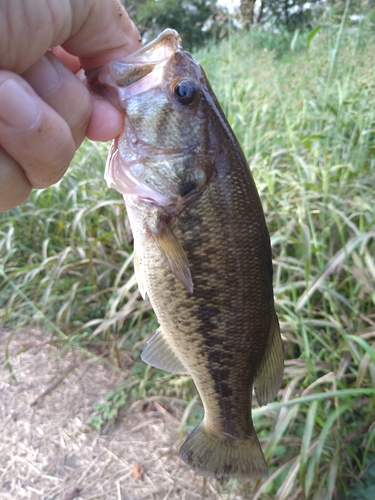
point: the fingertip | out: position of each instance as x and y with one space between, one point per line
14 185
106 121
113 35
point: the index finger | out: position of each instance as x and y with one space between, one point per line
110 34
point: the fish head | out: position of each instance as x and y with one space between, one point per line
164 154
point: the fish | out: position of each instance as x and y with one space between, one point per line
202 250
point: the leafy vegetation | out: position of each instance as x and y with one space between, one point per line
298 14
306 121
197 21
201 21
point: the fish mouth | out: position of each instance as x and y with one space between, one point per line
141 63
144 67
162 47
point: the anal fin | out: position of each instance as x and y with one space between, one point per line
270 374
159 353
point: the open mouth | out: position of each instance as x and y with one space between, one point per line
164 46
144 67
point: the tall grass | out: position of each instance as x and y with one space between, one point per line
306 121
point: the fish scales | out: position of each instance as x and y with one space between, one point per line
216 312
203 253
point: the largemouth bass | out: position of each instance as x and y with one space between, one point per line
202 249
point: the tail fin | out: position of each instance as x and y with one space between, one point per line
223 458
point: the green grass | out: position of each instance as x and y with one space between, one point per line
306 121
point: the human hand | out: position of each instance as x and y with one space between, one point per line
45 108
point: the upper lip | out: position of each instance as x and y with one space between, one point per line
142 62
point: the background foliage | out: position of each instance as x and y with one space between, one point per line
197 21
201 21
302 105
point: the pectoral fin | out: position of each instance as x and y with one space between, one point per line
175 256
139 274
159 353
270 375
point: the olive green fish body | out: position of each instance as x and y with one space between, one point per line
203 256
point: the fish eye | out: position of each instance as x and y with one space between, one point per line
186 91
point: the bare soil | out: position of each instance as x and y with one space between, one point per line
47 450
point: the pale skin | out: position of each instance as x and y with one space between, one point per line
46 109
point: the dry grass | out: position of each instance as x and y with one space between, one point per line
48 452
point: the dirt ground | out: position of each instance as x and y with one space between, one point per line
47 451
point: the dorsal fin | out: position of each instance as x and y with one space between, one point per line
270 374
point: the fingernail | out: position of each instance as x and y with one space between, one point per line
18 108
43 75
